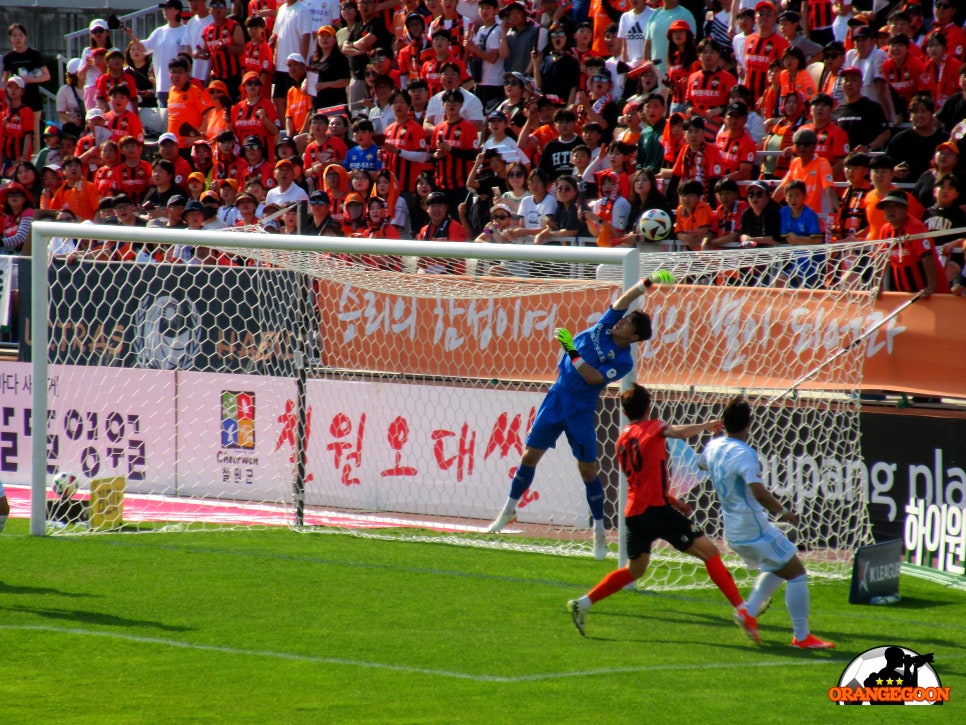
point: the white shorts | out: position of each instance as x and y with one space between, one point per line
769 552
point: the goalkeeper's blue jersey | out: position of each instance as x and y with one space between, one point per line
597 348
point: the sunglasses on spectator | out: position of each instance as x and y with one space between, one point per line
499 217
565 188
511 83
251 146
558 34
253 83
755 194
98 31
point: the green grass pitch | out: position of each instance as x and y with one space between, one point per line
273 626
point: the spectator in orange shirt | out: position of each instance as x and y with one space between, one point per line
883 172
942 69
257 56
121 121
298 103
188 105
904 74
794 76
694 216
254 115
833 142
75 193
815 172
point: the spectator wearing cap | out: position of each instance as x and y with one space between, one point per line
320 222
815 172
441 227
682 61
89 70
163 45
790 27
912 148
656 39
298 102
761 222
914 264
50 148
940 75
519 37
257 55
255 164
18 123
945 24
869 59
945 161
173 212
70 105
331 69
471 109
517 94
497 138
762 47
852 219
738 149
706 94
833 142
861 118
286 190
16 217
406 147
829 80
255 116
222 45
168 150
189 107
883 173
903 72
291 34
75 193
366 35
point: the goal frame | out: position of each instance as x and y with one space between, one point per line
627 259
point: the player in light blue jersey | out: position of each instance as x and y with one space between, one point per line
745 503
593 359
4 507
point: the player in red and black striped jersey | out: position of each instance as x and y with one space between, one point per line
406 145
116 76
707 89
120 121
652 511
323 149
452 22
914 264
904 73
224 41
738 149
833 141
255 116
456 145
133 175
761 49
442 54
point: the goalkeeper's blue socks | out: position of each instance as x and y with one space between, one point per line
521 481
595 498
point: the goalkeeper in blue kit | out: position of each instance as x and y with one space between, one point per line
591 360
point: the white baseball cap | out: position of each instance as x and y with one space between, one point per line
17 80
94 113
167 137
296 57
95 24
73 65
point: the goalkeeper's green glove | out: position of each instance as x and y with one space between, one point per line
566 341
661 276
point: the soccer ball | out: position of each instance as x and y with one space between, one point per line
64 484
655 225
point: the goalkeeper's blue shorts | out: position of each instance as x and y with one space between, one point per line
560 413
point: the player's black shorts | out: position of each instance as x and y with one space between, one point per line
659 522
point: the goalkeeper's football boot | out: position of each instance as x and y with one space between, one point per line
502 521
579 615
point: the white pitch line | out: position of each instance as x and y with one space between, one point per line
419 670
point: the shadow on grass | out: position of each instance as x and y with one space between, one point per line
15 589
97 618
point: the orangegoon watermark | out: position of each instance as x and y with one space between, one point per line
890 675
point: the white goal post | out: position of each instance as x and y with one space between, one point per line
324 370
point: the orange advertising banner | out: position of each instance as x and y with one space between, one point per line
724 336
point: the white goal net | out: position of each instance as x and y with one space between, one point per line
312 385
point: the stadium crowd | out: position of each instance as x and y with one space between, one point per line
752 123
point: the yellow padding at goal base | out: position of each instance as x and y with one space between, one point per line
106 509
